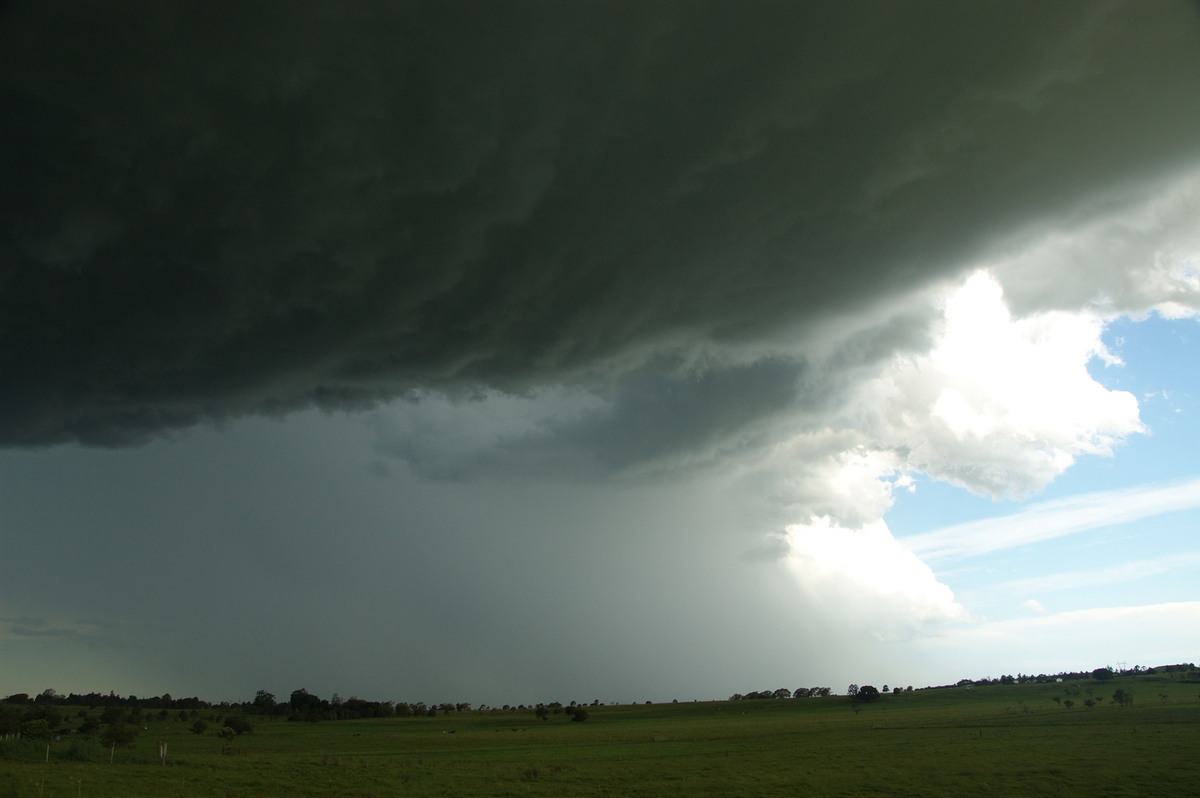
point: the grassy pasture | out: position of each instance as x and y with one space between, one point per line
981 741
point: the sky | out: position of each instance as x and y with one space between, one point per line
529 351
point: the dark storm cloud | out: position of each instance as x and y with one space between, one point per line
672 414
655 418
218 209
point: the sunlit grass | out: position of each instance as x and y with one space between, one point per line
983 741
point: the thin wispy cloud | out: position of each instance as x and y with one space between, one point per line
1054 519
1111 575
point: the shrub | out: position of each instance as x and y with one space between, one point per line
119 736
239 724
36 729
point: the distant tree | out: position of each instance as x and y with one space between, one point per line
199 727
580 715
1123 697
867 693
1089 702
782 692
308 707
1102 674
1056 700
264 702
303 701
1068 703
852 690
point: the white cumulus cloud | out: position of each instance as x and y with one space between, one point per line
869 580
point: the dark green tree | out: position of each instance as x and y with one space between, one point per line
304 701
264 702
867 693
10 720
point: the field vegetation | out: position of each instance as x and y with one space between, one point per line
1127 735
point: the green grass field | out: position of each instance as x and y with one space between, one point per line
997 740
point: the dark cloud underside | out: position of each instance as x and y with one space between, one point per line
218 209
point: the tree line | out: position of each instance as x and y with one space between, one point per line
783 692
1186 669
44 709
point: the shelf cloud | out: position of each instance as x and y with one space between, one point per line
213 212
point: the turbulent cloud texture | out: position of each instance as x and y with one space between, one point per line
212 211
